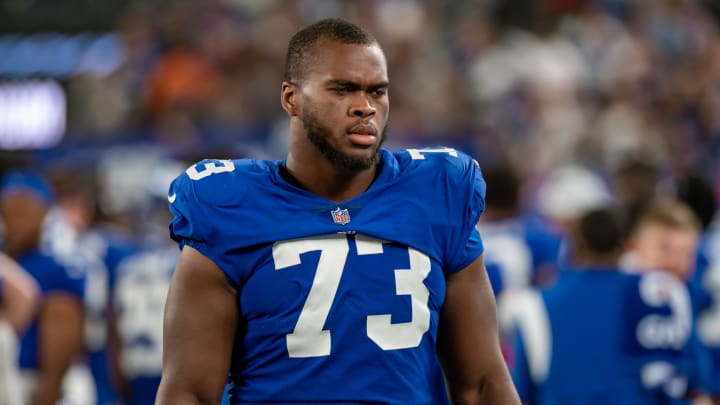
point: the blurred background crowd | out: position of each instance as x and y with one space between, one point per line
568 105
536 84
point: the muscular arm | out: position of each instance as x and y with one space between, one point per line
468 342
200 320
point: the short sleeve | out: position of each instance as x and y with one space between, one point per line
182 205
468 199
64 278
193 223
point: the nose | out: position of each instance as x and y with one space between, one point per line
361 106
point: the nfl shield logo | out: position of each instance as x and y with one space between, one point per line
340 216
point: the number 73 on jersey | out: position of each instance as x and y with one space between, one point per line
309 339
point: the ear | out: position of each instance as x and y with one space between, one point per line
289 98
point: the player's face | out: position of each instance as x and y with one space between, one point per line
23 215
660 247
345 103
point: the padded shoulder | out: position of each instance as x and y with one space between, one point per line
451 183
197 194
449 160
218 181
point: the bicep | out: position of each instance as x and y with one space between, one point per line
201 317
468 341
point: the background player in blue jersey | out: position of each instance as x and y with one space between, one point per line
55 337
665 238
138 288
341 274
600 336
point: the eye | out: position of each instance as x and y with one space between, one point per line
341 90
379 92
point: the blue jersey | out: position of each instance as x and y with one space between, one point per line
52 278
139 286
103 252
339 302
705 288
604 337
97 251
519 248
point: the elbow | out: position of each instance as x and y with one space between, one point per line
468 393
176 394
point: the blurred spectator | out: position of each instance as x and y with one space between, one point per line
585 339
569 191
636 184
523 249
139 286
55 336
666 238
74 235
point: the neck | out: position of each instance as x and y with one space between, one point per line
587 259
319 176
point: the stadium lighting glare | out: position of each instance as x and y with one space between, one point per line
32 114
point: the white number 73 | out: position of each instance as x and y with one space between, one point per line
308 339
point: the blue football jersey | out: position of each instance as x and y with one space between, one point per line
705 289
340 302
97 251
599 336
520 248
139 286
51 278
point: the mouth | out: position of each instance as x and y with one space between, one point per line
362 134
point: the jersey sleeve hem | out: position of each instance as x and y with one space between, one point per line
207 252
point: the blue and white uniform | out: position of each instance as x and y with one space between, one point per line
519 248
139 286
705 288
599 336
339 302
52 278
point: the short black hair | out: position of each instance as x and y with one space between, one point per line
303 42
600 231
503 187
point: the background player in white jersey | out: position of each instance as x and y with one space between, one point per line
337 275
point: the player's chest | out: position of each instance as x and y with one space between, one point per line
352 276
